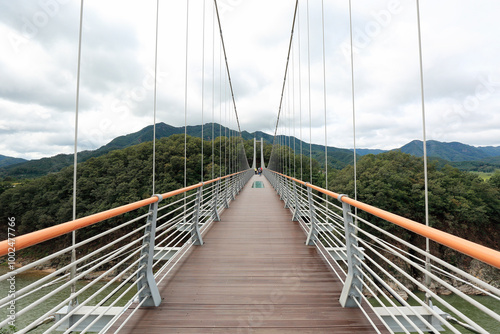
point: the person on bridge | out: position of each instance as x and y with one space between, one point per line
260 171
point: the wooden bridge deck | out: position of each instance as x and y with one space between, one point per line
253 275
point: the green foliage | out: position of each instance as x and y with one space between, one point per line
495 179
117 178
449 151
44 166
8 329
459 202
7 161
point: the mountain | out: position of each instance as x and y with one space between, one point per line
364 151
7 161
453 151
40 167
337 157
493 151
477 158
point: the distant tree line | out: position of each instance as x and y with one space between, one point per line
460 202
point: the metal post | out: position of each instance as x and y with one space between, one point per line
238 183
262 164
195 229
313 231
231 186
296 212
287 194
145 277
216 201
226 203
354 278
280 187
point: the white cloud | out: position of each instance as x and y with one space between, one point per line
39 52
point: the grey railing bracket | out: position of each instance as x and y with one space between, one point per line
313 230
350 296
195 229
145 277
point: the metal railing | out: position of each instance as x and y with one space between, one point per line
117 269
381 271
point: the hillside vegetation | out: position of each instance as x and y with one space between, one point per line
460 202
337 157
117 178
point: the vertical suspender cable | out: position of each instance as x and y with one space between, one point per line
285 76
213 87
324 92
185 100
289 128
309 88
154 99
227 70
202 88
293 113
300 101
426 191
353 111
220 111
225 126
75 159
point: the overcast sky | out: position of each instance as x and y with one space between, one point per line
38 67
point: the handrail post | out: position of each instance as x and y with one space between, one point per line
239 183
231 185
287 193
145 277
350 296
216 200
296 211
282 187
226 203
195 229
313 231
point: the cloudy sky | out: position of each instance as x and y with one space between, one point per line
38 67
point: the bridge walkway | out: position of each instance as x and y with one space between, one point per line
253 275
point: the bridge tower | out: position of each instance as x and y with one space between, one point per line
262 164
254 164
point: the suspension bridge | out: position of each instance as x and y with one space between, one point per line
244 252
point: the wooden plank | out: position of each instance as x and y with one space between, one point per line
253 274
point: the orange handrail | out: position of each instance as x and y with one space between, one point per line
33 238
479 252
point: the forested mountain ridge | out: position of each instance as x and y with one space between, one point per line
337 157
462 156
44 166
7 161
453 151
117 178
460 203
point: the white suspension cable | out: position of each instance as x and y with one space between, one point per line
202 89
300 100
220 111
186 94
154 94
309 94
213 87
353 111
324 92
426 183
75 159
293 112
227 67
